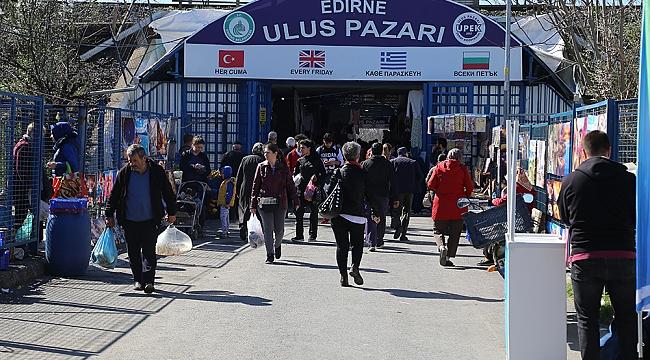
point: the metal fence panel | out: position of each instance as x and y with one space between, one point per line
21 171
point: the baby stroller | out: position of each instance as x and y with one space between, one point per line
189 203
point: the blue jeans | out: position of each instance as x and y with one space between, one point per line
224 216
589 278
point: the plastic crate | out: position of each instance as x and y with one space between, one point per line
490 226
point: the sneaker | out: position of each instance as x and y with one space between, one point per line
485 262
344 281
148 288
443 255
278 252
137 286
404 239
269 259
298 239
372 249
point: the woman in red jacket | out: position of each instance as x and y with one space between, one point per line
450 181
272 186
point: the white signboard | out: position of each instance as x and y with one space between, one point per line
305 62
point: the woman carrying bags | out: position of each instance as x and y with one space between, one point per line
272 185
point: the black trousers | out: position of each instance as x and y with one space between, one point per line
313 218
244 216
589 277
141 246
402 215
347 234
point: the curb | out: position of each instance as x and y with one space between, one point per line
22 273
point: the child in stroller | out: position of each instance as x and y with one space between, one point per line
189 202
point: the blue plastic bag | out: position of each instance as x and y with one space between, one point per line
105 251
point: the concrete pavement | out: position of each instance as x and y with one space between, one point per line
220 301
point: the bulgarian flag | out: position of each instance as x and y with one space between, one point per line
643 170
476 60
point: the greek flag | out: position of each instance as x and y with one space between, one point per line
643 170
393 60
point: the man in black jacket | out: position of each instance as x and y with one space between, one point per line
598 202
137 199
308 166
244 186
408 177
381 176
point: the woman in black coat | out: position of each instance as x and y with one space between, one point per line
308 166
349 226
244 186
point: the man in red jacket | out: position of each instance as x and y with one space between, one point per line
450 181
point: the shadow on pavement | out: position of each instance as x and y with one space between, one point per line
209 295
441 295
400 250
322 266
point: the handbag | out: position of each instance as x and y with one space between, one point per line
70 185
331 206
268 203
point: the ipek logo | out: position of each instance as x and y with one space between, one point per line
469 28
239 27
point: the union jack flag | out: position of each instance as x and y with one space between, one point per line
312 59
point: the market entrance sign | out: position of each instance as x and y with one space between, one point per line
385 40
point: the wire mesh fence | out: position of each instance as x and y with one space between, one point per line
21 124
628 118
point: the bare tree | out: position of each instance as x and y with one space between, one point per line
40 44
602 38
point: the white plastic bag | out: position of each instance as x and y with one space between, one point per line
255 233
173 242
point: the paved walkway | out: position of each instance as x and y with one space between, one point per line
220 301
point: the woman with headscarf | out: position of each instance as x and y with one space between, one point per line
451 181
66 152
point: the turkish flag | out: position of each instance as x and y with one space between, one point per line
231 58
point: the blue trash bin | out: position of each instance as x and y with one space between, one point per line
67 247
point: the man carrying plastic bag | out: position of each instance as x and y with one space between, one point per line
105 251
137 200
173 242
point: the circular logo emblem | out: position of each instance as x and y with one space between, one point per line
239 27
469 28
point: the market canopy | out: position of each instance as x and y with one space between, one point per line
424 40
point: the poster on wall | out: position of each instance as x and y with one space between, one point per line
481 123
450 124
128 132
459 123
553 190
581 127
496 136
470 123
142 133
541 163
532 160
439 125
559 149
524 142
